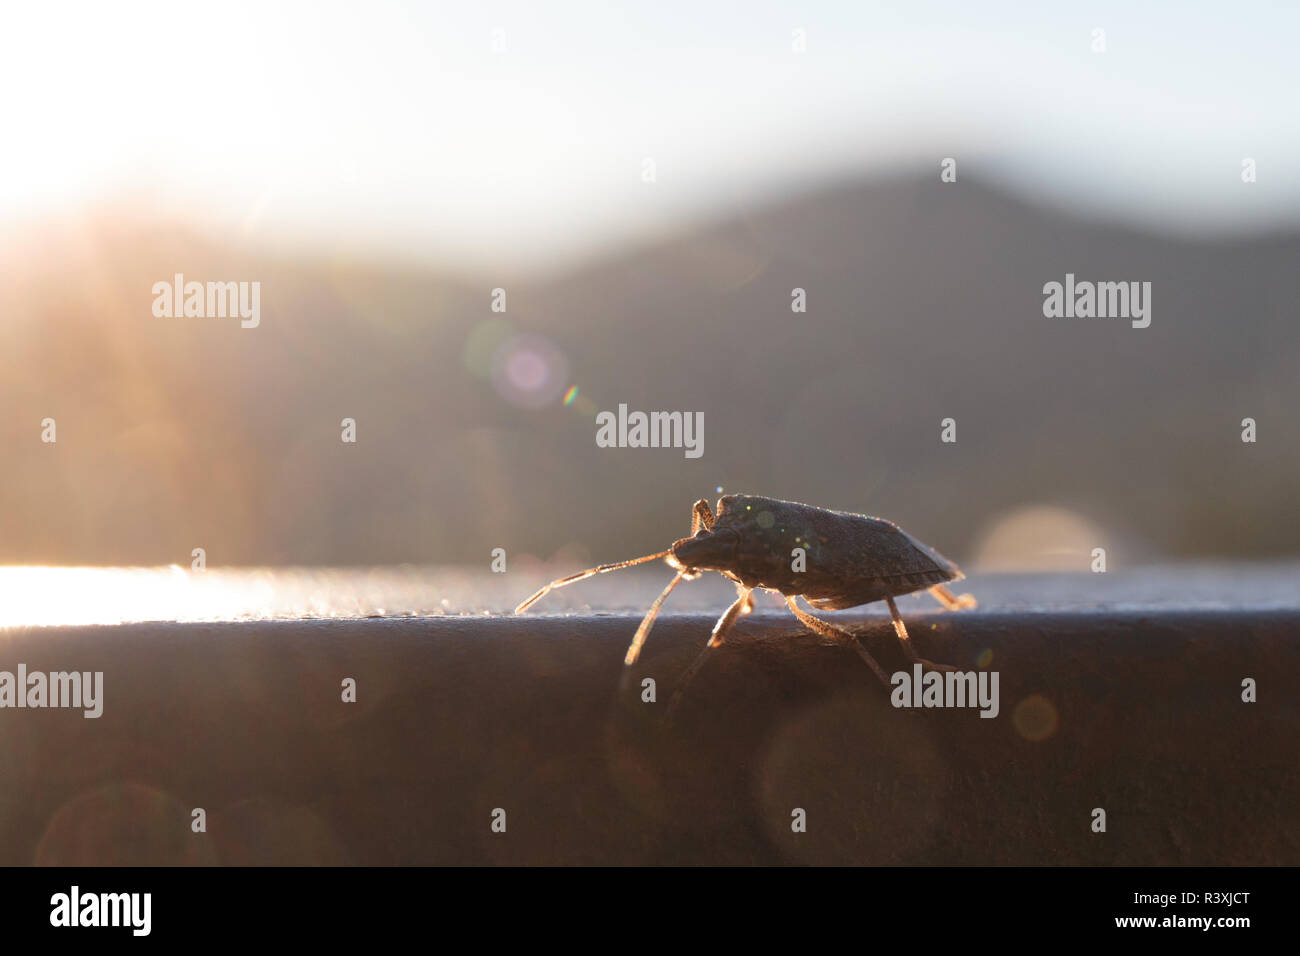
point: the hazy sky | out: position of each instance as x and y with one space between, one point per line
398 127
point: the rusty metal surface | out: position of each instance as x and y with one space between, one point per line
1135 711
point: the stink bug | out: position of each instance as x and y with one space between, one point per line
848 560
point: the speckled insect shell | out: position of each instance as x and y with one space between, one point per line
851 559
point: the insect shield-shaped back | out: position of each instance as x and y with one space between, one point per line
849 559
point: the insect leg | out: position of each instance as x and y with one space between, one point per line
953 602
701 517
542 592
647 622
729 616
826 629
720 630
903 638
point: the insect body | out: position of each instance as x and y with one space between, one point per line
848 560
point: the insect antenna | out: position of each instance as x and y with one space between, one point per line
647 622
542 592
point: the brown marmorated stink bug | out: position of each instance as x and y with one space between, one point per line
849 559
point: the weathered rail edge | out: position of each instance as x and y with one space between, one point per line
1138 714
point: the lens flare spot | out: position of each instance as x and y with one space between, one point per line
1038 538
984 658
528 371
1035 718
570 395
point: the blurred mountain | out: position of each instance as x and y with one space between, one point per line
924 302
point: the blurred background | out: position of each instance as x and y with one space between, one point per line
648 182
